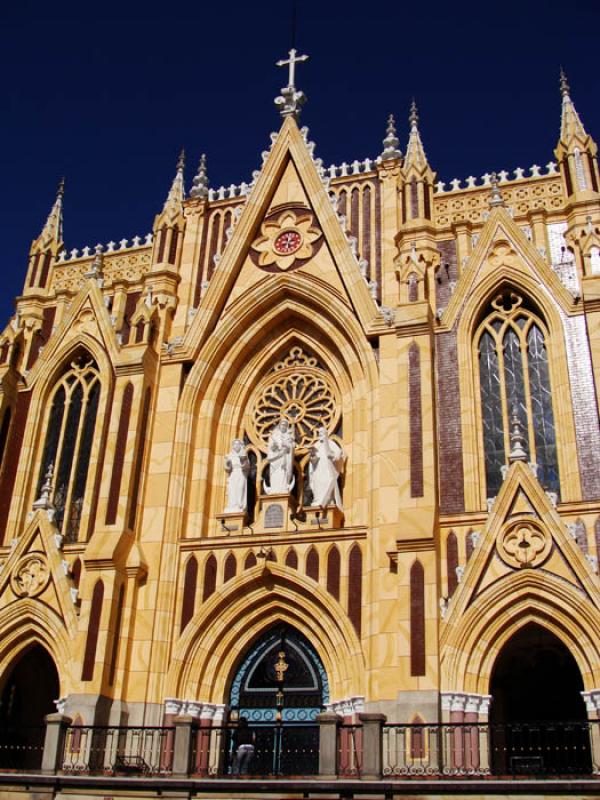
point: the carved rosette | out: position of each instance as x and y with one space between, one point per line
287 240
524 544
298 390
30 575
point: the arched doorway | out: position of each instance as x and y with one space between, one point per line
279 687
30 688
538 717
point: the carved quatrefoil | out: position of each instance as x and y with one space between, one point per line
524 544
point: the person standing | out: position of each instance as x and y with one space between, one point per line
243 747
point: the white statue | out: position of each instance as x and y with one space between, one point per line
325 464
237 468
280 456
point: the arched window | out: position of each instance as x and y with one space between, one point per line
89 659
514 378
210 577
452 562
230 568
190 581
312 564
71 424
355 587
417 619
333 572
291 559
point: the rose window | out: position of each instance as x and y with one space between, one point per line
300 392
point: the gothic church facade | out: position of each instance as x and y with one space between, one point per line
445 337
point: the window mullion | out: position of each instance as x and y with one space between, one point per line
527 390
61 439
503 396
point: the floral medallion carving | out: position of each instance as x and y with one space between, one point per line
287 240
524 544
30 576
299 390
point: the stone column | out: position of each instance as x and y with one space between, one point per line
328 744
182 747
372 738
56 726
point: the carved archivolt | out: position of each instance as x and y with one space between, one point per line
30 575
298 390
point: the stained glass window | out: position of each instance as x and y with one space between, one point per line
71 425
514 378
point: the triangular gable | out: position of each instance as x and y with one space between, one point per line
288 182
88 316
35 570
523 532
502 249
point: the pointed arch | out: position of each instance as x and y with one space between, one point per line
333 572
240 611
209 584
529 596
250 561
291 559
230 568
554 308
190 582
312 564
354 604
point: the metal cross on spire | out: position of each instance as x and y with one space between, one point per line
291 101
292 61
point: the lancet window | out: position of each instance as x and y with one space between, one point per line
515 379
70 426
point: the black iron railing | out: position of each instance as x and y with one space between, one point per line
290 749
111 749
529 748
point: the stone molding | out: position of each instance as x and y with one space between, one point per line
467 703
347 707
197 709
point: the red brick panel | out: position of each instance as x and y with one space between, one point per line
210 578
417 619
11 461
89 659
333 572
355 587
452 562
415 421
452 496
117 470
312 564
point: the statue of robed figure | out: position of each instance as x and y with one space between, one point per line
325 464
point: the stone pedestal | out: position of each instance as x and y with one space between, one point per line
372 727
328 744
274 512
232 523
182 748
56 726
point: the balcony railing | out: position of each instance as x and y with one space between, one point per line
369 750
108 750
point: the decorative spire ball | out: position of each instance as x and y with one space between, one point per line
391 141
496 198
200 182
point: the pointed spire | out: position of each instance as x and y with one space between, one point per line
571 125
496 198
518 442
176 194
52 230
415 152
391 141
200 183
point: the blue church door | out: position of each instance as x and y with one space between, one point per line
280 687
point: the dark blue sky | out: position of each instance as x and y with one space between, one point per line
107 94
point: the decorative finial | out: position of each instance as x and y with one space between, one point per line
414 116
496 198
60 192
96 272
52 230
290 101
518 442
200 182
564 84
43 502
181 161
391 141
